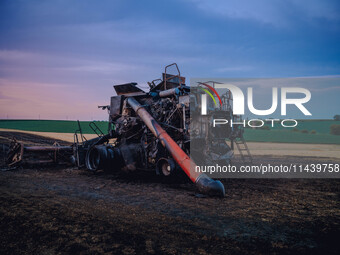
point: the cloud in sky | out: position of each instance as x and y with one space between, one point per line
79 49
29 100
272 12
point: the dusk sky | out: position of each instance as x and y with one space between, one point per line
59 59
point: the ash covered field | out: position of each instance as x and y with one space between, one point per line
63 210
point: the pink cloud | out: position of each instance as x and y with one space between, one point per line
30 100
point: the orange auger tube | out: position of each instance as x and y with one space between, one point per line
204 184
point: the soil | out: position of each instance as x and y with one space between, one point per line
69 137
64 210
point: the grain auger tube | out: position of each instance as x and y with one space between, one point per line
204 184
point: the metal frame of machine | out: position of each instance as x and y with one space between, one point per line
147 130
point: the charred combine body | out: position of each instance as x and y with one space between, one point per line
147 131
151 132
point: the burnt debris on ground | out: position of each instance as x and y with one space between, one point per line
62 210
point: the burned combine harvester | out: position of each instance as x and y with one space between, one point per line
147 130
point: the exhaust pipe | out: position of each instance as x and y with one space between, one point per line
205 184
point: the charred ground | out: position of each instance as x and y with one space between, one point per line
54 210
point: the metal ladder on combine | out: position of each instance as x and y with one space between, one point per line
77 143
240 142
244 150
96 129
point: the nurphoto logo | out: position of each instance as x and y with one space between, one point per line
238 104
